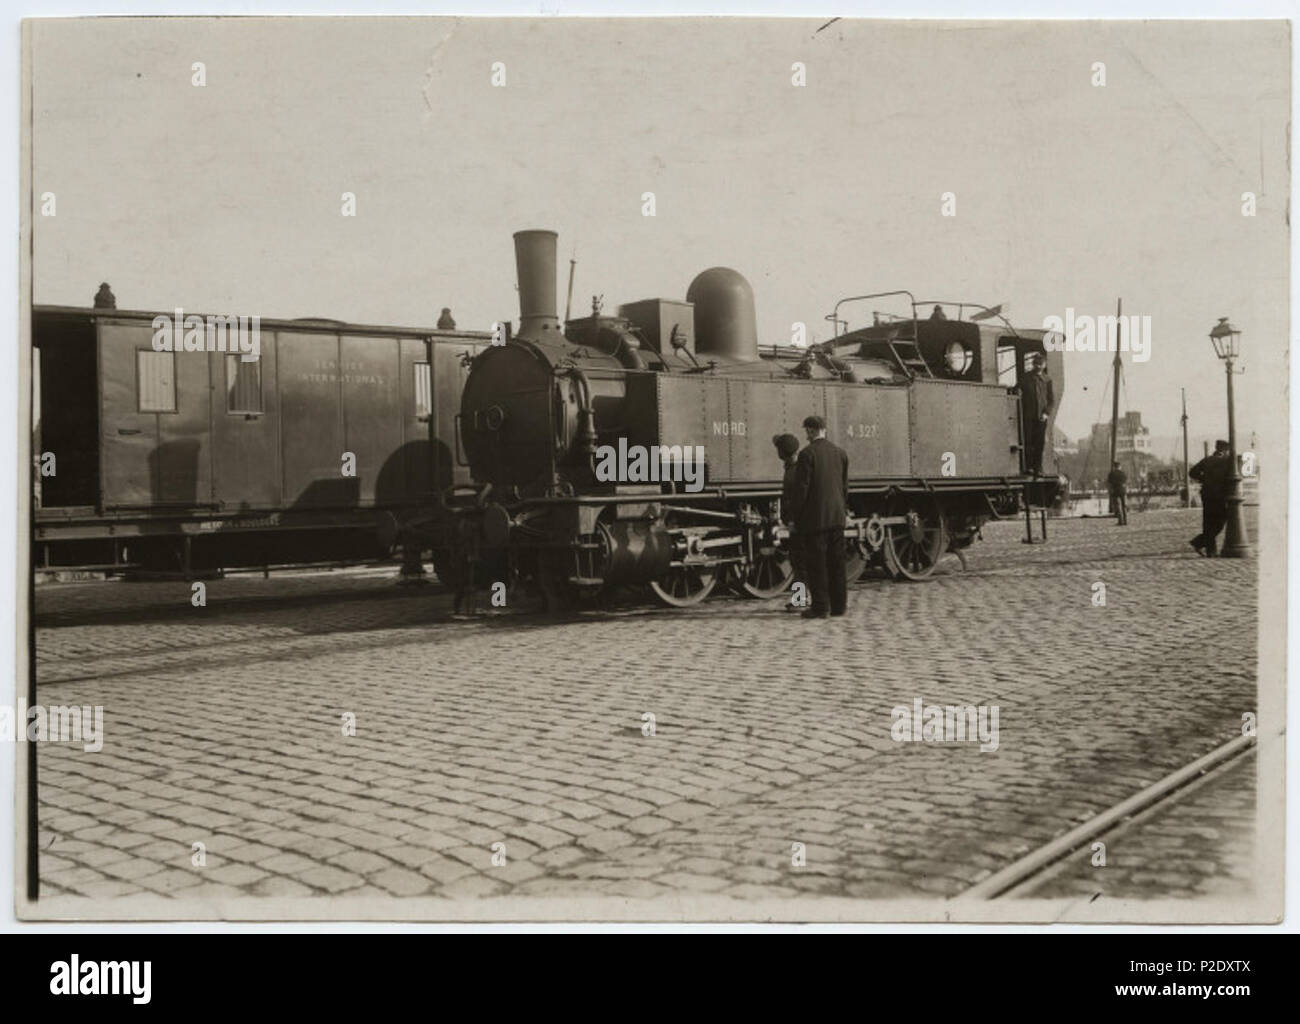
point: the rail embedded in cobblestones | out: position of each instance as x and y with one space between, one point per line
1016 874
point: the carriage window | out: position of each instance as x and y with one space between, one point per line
155 379
423 405
243 385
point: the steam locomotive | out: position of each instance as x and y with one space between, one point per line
926 409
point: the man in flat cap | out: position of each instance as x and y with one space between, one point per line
787 450
1037 402
1212 474
819 507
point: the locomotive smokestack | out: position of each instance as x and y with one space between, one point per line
535 262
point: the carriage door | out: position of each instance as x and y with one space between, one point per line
245 429
153 421
139 385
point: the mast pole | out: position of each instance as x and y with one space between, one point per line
1116 367
1187 483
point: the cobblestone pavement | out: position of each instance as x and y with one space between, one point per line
1200 842
223 725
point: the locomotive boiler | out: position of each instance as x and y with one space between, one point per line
925 408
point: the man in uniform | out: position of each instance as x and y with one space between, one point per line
787 449
818 508
1037 401
1212 474
1117 482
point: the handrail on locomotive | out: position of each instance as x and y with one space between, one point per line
834 315
916 304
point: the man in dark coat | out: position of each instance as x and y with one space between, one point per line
1212 474
819 507
1117 483
787 448
1037 402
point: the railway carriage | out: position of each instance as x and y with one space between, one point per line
189 460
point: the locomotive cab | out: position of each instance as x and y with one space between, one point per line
950 349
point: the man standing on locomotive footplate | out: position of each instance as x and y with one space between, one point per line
1037 402
820 507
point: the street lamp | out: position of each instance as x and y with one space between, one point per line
1227 339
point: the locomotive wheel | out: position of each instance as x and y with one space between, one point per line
913 549
771 572
768 576
681 588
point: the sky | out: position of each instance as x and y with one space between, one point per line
1068 194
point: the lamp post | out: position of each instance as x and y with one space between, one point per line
1226 339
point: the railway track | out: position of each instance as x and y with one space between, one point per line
1022 876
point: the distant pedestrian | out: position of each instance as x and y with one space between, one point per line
1117 482
104 298
445 322
819 508
787 449
1212 474
1037 402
